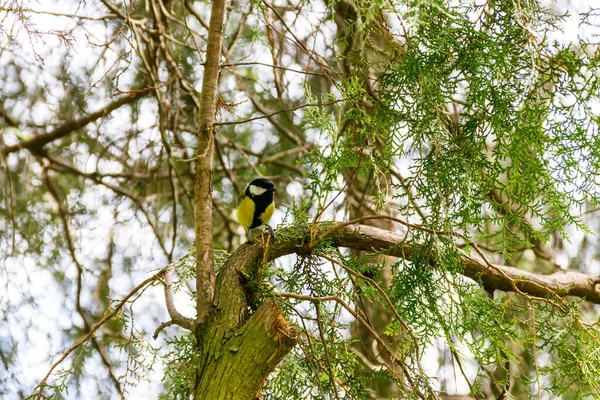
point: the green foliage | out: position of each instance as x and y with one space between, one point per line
573 345
468 119
186 268
524 120
141 357
309 364
181 364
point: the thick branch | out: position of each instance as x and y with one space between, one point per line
176 316
232 299
36 143
492 276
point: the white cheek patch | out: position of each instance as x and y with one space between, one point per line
256 190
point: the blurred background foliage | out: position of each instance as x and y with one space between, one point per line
473 117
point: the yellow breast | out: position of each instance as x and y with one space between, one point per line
266 216
245 212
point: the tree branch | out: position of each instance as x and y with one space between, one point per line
138 200
205 269
371 239
36 143
231 302
492 276
176 317
107 316
64 213
363 322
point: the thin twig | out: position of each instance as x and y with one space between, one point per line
92 332
380 341
385 297
64 217
325 349
279 112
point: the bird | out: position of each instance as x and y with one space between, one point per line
255 206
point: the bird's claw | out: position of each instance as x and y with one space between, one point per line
271 231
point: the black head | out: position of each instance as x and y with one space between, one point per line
263 183
260 187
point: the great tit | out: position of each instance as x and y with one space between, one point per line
256 205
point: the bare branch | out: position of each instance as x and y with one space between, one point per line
275 159
278 125
284 110
36 143
176 317
190 6
276 66
137 199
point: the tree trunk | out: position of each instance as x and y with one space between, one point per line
236 363
205 269
239 350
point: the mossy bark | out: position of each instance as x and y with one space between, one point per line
238 348
237 363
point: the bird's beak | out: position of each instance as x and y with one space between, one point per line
273 190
